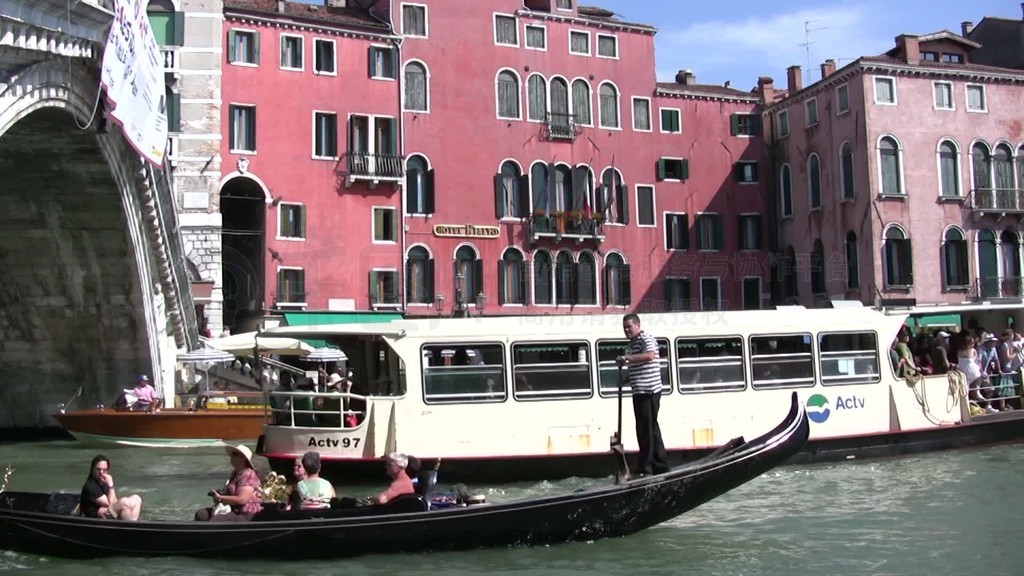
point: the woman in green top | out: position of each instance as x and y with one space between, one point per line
906 365
311 491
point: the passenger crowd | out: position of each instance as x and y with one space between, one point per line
991 365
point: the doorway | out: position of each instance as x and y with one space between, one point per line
243 209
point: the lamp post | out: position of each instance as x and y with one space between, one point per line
481 301
460 310
439 304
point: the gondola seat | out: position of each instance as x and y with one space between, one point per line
344 508
48 503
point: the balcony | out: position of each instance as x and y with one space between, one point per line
374 168
999 201
559 126
998 287
561 226
170 57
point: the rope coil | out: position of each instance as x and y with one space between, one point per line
957 389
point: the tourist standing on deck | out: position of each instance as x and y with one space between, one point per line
645 383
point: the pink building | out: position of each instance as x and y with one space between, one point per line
460 155
900 176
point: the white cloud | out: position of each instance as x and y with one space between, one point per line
742 50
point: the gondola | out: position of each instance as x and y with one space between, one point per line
33 523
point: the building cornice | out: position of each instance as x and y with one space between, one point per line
588 22
709 96
336 29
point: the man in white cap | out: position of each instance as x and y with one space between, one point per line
145 395
940 353
400 482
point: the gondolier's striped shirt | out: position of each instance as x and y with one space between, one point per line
644 378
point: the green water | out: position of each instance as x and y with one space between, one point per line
943 513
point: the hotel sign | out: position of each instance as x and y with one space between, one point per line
466 231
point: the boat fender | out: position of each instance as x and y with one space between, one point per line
476 499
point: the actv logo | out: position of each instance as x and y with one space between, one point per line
818 406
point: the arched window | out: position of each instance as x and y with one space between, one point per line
981 165
419 276
814 180
1009 245
539 185
1020 167
565 279
846 165
419 186
818 268
1002 162
559 102
609 98
469 274
586 283
511 196
616 281
955 273
897 258
613 201
890 166
852 261
508 95
563 188
511 278
988 263
581 102
949 170
537 98
786 197
788 272
416 97
542 277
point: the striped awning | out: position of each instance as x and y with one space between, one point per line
206 355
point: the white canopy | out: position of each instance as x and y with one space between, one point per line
245 345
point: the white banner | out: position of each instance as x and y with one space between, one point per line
133 76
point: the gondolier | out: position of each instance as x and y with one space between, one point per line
645 384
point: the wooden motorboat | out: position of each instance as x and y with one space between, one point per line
212 418
33 523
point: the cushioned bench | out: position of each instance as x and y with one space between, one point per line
345 508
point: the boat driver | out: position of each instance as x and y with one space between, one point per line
145 395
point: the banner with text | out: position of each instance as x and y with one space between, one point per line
133 76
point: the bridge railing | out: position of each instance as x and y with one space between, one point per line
167 213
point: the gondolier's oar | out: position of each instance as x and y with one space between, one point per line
621 466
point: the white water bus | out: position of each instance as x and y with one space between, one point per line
535 396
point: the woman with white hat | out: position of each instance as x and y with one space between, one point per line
241 496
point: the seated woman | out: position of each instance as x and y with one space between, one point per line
99 500
242 494
311 492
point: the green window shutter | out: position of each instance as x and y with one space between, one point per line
178 29
719 223
740 228
735 124
606 287
757 232
574 282
523 197
173 111
393 142
369 67
625 285
686 231
737 172
284 52
430 280
524 280
623 194
394 62
478 279
302 221
907 261
375 295
428 191
666 290
661 170
755 124
501 281
232 49
408 280
499 197
685 172
256 46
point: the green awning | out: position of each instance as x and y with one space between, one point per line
941 320
318 318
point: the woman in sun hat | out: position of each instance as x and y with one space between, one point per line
241 496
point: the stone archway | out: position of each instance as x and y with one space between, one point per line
243 207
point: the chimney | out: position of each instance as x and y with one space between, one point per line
911 48
281 6
686 78
336 3
796 79
766 86
828 68
728 83
966 27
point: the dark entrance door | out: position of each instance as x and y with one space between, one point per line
243 211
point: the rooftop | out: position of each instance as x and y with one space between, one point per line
356 17
706 90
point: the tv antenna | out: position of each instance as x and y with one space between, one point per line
807 40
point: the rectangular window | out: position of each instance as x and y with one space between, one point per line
678 294
385 224
885 90
976 98
842 99
243 128
782 121
325 135
324 60
244 47
457 373
811 112
291 222
608 371
745 124
677 231
943 95
506 30
383 287
414 20
579 43
929 56
564 4
751 293
782 361
291 286
745 171
848 358
673 169
750 231
710 364
670 122
292 56
551 370
952 58
645 206
710 232
607 46
382 62
536 37
642 114
710 294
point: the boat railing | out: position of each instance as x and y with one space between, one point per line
994 390
222 400
303 409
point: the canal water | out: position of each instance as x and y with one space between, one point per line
941 513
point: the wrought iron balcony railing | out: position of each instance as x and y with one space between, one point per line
988 287
997 200
561 227
560 126
375 167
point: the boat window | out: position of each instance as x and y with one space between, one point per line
470 372
781 361
551 370
848 358
608 371
710 364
